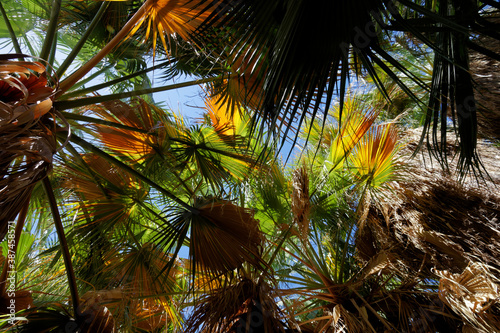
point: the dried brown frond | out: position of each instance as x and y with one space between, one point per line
301 206
435 223
223 236
432 226
471 294
21 298
27 133
96 318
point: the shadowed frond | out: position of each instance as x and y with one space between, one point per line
102 192
223 236
145 295
242 304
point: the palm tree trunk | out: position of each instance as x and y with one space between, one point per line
64 245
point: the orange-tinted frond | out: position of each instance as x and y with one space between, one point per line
223 120
353 126
106 193
164 18
135 145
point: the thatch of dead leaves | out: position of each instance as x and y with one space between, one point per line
27 133
437 223
485 73
435 228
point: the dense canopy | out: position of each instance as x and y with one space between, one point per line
292 202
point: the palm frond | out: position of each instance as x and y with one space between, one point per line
372 158
164 19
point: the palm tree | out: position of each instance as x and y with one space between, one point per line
153 215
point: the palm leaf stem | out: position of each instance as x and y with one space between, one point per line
82 40
92 76
64 245
52 54
112 82
51 29
65 105
120 36
79 117
81 142
12 34
17 235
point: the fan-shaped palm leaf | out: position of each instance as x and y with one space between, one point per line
372 158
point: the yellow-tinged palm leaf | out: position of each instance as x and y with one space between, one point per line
353 126
372 158
223 119
164 18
